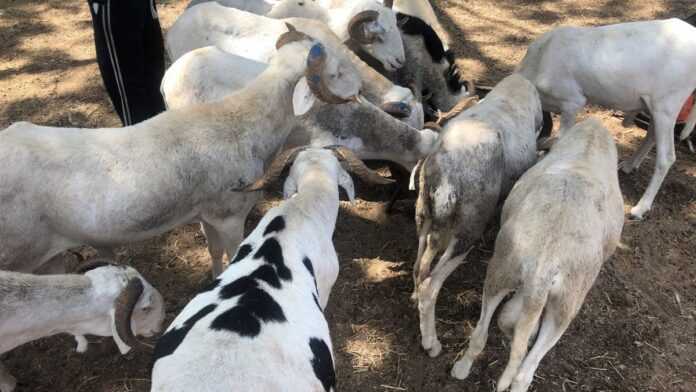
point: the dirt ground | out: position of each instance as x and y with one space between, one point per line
636 331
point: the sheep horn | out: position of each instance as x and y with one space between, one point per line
432 126
389 3
275 169
123 310
397 109
93 263
356 28
292 35
470 86
356 166
461 106
316 61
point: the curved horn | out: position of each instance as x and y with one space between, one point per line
356 166
93 263
124 306
389 3
316 61
275 169
432 126
292 35
470 86
397 109
356 28
461 106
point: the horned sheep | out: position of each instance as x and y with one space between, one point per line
562 220
260 326
367 23
107 300
254 46
107 187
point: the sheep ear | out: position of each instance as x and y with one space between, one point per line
302 98
346 182
122 346
289 188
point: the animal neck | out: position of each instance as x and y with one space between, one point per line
317 197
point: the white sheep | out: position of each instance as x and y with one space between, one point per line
107 187
108 300
366 23
629 67
260 326
482 152
562 220
209 74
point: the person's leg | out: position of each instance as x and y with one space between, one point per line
154 60
124 31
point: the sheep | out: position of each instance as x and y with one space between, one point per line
481 154
209 74
562 220
260 326
629 67
423 10
366 23
108 300
253 40
430 70
107 187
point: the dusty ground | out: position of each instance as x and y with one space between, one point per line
635 332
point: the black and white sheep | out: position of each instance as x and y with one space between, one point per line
261 326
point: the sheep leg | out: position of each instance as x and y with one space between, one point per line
529 317
664 134
477 341
7 382
215 247
569 111
232 234
82 343
432 248
422 238
637 158
428 292
549 334
509 316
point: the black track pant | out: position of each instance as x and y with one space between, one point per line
130 53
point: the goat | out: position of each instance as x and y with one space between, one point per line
108 300
628 67
111 186
261 326
562 220
366 23
255 43
209 74
481 154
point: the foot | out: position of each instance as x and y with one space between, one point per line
462 368
435 349
638 212
521 383
626 166
82 344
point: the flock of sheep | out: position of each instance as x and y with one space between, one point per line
256 87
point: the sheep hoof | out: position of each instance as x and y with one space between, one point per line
82 344
637 213
462 369
626 166
435 349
